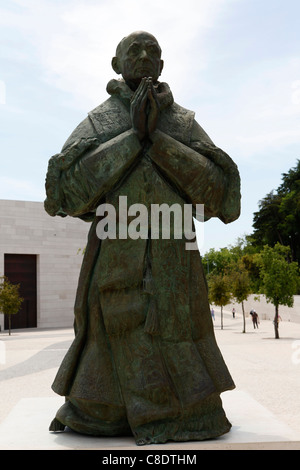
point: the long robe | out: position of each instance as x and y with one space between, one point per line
144 360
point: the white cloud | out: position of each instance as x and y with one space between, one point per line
271 139
75 41
295 92
263 113
2 92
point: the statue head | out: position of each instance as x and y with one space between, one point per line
137 56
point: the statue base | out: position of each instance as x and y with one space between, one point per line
253 427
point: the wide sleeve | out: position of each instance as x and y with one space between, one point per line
201 171
80 176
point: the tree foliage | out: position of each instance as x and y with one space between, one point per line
221 261
250 264
278 217
219 291
236 272
279 278
267 261
10 300
240 286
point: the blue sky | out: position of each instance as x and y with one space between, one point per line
236 63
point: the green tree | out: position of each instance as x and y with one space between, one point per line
268 220
249 262
219 291
220 261
278 217
10 300
240 287
279 278
216 261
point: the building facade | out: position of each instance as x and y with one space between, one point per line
43 254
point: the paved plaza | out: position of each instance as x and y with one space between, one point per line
264 409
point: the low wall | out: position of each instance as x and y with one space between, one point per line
265 310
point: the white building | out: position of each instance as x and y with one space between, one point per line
44 255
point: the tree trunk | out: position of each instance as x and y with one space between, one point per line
244 319
221 317
276 320
9 323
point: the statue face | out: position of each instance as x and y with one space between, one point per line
138 57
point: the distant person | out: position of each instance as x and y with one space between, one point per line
255 319
213 314
233 312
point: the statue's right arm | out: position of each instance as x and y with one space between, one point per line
80 176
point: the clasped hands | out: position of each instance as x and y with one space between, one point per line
144 109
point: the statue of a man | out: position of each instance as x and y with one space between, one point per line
144 361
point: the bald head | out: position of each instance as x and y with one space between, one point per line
138 55
132 37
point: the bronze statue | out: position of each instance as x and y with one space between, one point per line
144 361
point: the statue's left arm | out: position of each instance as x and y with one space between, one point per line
201 171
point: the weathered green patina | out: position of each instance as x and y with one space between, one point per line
144 361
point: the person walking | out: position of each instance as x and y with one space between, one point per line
213 314
255 319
